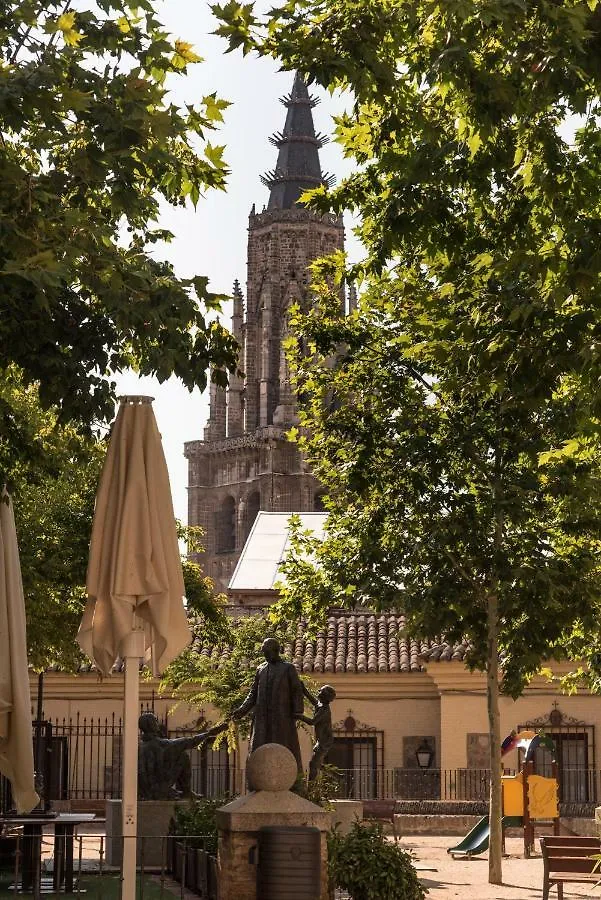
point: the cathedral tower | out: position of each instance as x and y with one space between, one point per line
245 463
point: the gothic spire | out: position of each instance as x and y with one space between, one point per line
298 168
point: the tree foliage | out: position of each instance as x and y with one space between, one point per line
53 495
421 464
90 145
457 429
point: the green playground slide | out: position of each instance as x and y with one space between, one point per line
476 841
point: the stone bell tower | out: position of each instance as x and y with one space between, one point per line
244 463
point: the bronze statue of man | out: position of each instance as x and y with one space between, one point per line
276 699
164 770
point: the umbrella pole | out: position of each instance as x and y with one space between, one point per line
133 652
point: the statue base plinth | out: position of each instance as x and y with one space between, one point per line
239 823
154 817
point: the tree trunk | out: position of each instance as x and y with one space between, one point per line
495 874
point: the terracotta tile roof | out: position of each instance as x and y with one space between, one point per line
354 642
358 642
445 652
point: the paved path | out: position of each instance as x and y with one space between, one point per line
468 878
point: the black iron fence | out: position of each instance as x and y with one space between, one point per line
412 784
49 862
86 758
83 763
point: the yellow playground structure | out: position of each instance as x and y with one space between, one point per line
529 800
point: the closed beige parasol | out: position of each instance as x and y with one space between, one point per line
16 739
135 585
134 563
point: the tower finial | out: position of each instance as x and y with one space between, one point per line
298 168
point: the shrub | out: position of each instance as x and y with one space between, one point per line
198 820
369 867
327 786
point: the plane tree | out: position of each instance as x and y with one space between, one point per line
92 143
454 417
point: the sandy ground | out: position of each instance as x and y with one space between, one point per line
452 878
468 878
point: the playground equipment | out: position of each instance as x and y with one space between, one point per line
528 799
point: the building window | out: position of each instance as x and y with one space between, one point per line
358 753
575 755
226 526
210 771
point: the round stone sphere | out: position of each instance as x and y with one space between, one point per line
271 767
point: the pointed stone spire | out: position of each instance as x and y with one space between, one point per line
216 425
235 410
352 297
298 168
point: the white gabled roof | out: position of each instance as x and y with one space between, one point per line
266 547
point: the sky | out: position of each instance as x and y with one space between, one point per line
211 240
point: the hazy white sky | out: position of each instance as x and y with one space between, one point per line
212 240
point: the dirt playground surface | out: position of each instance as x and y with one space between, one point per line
468 878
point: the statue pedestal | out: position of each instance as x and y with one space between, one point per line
154 817
241 824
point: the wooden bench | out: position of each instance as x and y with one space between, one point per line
380 811
567 860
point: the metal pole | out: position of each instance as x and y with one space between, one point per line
133 652
40 747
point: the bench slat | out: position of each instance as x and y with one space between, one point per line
572 864
381 810
568 840
568 876
555 852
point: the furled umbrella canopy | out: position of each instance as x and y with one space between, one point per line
134 564
16 740
135 585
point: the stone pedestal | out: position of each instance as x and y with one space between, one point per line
240 821
154 817
598 820
345 813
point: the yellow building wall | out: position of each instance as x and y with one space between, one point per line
398 705
463 710
446 703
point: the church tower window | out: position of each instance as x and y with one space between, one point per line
226 526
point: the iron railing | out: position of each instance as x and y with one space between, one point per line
84 764
576 786
167 865
86 758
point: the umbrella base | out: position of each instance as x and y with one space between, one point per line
154 817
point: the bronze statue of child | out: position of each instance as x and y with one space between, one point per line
322 722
